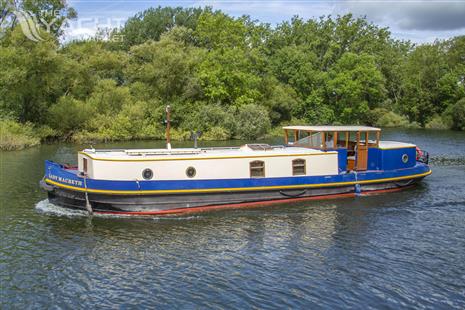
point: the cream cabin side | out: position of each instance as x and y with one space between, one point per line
286 162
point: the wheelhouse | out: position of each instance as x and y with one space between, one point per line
351 142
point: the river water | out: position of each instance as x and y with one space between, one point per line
404 249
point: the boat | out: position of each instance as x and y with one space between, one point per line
315 162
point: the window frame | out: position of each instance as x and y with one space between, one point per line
299 165
261 168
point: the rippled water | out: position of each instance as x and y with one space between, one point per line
404 249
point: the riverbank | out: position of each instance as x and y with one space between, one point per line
16 136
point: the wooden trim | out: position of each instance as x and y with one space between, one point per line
347 140
335 145
378 136
286 136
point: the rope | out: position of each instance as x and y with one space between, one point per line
358 188
293 196
88 205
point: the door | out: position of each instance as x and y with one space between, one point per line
362 151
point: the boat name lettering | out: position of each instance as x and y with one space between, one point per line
64 180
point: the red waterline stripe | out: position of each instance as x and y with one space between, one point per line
381 191
235 205
256 204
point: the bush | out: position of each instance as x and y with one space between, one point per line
216 134
391 119
207 117
179 135
437 122
252 122
276 132
16 136
69 114
108 98
456 113
134 121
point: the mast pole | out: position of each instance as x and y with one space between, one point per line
168 127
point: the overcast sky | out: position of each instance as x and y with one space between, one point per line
416 20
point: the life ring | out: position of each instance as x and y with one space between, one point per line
419 152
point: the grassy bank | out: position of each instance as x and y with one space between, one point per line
16 136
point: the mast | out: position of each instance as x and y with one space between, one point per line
168 127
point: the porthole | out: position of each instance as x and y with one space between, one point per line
147 174
190 172
405 158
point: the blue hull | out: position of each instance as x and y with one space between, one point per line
67 188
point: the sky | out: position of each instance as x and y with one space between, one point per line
420 21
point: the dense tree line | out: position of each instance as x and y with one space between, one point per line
228 77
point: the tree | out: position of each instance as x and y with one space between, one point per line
167 67
252 122
69 115
30 76
216 30
88 62
152 23
425 66
355 86
296 66
457 114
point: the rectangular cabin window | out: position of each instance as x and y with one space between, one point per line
298 167
342 139
84 165
257 169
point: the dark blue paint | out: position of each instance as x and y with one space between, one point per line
374 159
55 169
392 159
342 159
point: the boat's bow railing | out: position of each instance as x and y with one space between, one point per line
162 152
422 156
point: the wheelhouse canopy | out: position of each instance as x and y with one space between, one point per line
332 128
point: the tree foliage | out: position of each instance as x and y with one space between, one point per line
228 77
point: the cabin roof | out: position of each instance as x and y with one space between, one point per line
332 128
205 153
